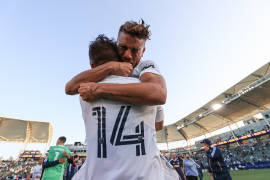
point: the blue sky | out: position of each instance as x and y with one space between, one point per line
201 47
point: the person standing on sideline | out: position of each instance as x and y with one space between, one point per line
190 168
181 163
176 164
36 171
217 167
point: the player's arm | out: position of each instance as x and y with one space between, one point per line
197 165
98 73
47 164
69 158
151 91
159 125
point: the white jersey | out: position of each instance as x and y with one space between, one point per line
144 67
36 172
160 114
148 66
121 141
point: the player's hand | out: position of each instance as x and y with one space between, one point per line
88 91
61 160
66 155
121 68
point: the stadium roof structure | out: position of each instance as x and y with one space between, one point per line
16 130
245 99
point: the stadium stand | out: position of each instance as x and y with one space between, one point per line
244 100
17 169
250 153
21 131
77 148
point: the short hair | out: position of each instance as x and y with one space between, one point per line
62 139
137 29
102 48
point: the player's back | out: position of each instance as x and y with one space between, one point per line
120 139
56 172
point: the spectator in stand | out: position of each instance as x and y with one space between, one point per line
190 167
217 167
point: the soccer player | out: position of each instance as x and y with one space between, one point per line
55 153
130 46
217 167
115 129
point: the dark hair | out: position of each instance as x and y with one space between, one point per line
62 139
104 49
140 30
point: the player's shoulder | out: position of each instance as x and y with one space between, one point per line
145 64
144 67
67 150
159 108
51 148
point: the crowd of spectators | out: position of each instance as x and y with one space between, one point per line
16 169
11 169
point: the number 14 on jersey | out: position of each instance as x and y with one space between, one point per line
117 137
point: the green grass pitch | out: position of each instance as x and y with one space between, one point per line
252 174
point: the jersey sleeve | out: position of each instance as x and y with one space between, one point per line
160 114
144 67
148 66
48 164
